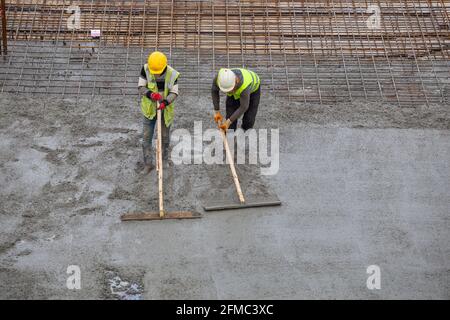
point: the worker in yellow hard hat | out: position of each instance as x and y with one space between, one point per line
243 91
158 82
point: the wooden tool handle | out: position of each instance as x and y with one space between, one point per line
159 162
233 169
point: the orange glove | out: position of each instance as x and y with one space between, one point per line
225 125
218 117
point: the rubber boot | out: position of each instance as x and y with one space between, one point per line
148 161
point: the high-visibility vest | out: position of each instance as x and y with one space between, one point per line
148 106
250 79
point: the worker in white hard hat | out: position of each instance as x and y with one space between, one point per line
158 82
243 91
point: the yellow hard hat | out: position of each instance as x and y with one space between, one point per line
157 62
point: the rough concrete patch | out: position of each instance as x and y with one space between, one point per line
85 211
53 156
8 244
89 145
61 187
71 158
122 194
119 285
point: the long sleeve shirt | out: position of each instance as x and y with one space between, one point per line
160 82
244 100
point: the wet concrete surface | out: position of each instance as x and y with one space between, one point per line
361 184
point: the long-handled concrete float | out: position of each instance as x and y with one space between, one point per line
243 203
162 214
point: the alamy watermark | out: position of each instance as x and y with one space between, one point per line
74 280
374 21
254 146
374 280
74 21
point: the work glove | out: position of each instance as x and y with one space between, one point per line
218 117
154 96
163 105
225 125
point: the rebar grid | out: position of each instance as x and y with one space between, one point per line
4 38
309 51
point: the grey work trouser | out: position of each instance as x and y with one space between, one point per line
148 131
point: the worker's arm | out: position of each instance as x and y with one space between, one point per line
142 85
173 93
143 90
215 95
245 102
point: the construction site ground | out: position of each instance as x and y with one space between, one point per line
359 91
362 183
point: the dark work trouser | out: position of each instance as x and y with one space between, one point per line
248 120
148 131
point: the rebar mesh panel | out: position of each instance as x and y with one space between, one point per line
310 51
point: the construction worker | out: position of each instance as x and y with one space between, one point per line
158 82
243 91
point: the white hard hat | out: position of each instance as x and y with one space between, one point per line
226 80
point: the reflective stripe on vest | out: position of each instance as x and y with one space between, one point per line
250 78
148 106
